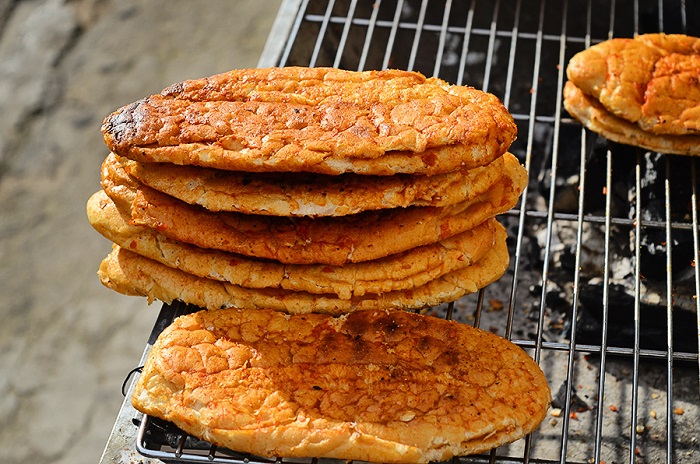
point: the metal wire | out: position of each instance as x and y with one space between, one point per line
369 34
637 298
443 36
465 43
669 316
344 37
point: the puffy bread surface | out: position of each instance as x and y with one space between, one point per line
308 194
321 120
401 271
383 386
306 240
130 273
593 115
650 80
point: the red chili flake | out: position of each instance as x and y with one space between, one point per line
133 245
573 416
613 408
233 262
444 230
605 190
327 269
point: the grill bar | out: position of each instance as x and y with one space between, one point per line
669 315
696 246
344 37
518 49
467 32
416 37
368 35
321 33
392 37
637 310
606 307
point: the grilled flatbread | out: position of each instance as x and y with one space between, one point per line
650 81
402 271
321 120
595 117
382 386
307 194
329 240
132 274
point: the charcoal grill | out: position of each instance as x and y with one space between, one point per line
602 286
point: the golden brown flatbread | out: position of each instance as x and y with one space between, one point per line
402 271
381 386
595 117
321 120
650 80
329 240
308 194
132 274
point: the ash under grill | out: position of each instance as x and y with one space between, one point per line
602 286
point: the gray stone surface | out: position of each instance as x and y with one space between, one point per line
66 342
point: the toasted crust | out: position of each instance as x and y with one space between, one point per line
336 241
383 386
305 194
595 117
396 272
132 274
320 120
651 81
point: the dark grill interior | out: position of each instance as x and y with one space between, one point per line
602 286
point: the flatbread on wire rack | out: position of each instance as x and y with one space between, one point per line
132 274
321 120
307 194
642 92
595 117
402 271
336 241
382 386
650 80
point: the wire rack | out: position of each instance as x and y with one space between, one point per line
602 286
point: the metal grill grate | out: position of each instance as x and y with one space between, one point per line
602 284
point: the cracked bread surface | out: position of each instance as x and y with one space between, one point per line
593 115
328 240
320 120
652 81
308 194
402 271
383 386
130 273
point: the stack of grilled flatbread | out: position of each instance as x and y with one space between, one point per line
303 190
643 91
259 193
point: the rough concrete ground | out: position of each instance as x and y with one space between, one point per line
66 342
